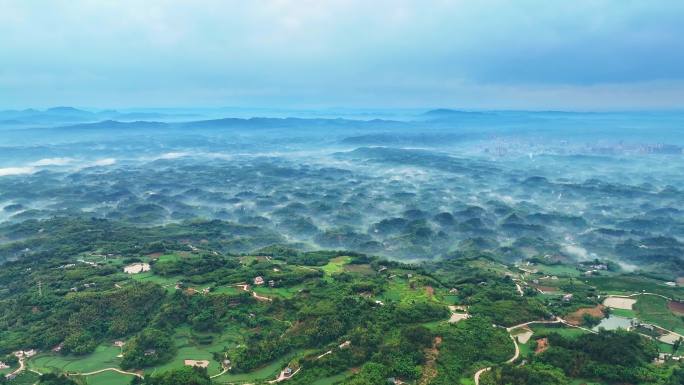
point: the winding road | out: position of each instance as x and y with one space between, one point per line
106 370
515 341
20 369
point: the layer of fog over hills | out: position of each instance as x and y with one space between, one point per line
405 184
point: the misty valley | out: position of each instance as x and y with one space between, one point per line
341 247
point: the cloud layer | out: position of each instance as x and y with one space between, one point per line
476 54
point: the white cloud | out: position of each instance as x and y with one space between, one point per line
16 170
52 162
103 162
341 52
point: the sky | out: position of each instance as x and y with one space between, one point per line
485 54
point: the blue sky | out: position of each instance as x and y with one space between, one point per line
485 54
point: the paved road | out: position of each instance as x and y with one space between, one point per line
20 369
478 373
106 370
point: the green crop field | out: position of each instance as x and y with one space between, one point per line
623 313
283 292
104 356
108 378
400 291
569 332
558 270
266 372
25 378
149 276
332 380
628 284
190 349
653 309
336 265
363 269
227 290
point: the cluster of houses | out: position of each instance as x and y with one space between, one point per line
85 286
664 357
259 280
25 353
594 269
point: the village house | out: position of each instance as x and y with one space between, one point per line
150 352
567 297
3 365
259 280
271 283
25 353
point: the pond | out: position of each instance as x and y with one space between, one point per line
614 322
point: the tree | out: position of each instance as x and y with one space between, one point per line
54 379
676 345
183 376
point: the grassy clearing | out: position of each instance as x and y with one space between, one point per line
564 331
169 258
631 284
494 267
104 356
25 378
7 371
363 269
558 270
108 378
653 309
190 349
526 349
283 292
149 276
227 290
332 380
400 291
267 372
664 348
336 265
623 313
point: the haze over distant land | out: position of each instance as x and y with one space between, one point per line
495 54
341 192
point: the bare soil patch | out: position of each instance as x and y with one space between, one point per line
542 345
523 334
430 291
547 289
676 307
430 368
136 268
197 363
576 317
619 302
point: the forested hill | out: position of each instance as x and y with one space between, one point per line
146 304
